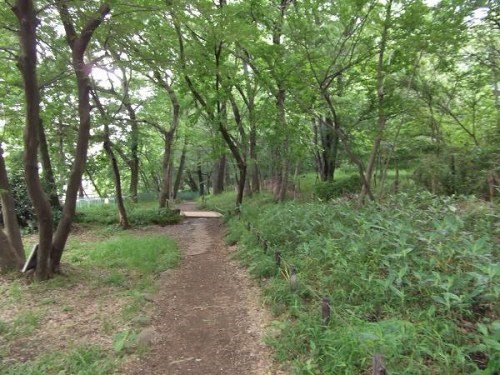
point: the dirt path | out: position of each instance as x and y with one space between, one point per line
208 319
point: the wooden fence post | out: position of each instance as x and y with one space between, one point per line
325 310
378 365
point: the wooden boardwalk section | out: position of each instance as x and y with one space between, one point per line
201 214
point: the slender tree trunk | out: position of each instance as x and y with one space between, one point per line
78 44
81 192
180 171
201 182
47 171
329 145
192 183
122 212
284 154
169 136
280 95
320 169
26 15
255 175
381 102
11 248
237 152
167 154
134 155
115 170
249 99
91 178
220 172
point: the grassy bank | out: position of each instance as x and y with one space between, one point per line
415 279
83 322
141 214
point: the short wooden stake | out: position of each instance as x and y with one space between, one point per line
325 310
277 258
294 282
378 365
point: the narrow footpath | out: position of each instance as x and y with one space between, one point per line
208 318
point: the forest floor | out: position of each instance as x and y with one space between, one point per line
207 318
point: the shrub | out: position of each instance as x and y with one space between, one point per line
329 190
457 171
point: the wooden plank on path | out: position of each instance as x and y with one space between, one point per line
201 214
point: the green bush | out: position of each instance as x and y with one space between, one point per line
188 195
329 190
456 171
222 203
158 216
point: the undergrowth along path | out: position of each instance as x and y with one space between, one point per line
208 318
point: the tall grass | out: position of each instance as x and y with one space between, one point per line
122 267
146 254
415 278
81 360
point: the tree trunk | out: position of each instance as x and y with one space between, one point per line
78 44
192 183
201 182
169 136
115 170
91 178
11 250
134 155
26 15
122 212
219 175
284 155
329 144
255 175
180 171
167 154
47 171
381 103
249 99
9 261
320 169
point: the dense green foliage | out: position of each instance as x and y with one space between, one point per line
338 188
415 278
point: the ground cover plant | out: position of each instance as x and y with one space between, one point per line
83 322
413 278
138 214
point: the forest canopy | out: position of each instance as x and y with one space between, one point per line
156 98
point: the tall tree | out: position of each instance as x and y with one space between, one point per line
78 44
25 12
